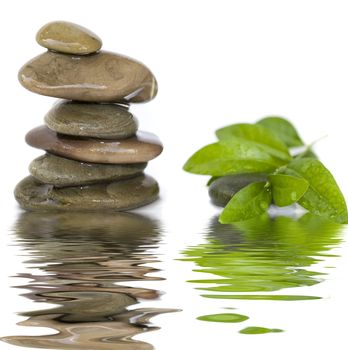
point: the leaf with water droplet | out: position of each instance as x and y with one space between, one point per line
258 135
283 129
287 189
263 148
251 201
233 156
323 196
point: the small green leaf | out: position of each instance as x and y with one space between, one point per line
307 153
250 201
257 134
229 157
211 180
323 196
283 129
287 189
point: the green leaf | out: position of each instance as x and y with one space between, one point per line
283 129
287 189
211 180
323 196
252 200
257 134
229 157
307 153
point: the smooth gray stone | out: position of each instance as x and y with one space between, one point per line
140 148
106 121
69 38
100 77
119 195
224 188
59 171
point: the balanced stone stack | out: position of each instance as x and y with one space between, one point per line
95 154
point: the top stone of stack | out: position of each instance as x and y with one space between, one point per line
68 38
74 68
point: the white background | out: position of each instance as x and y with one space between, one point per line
217 63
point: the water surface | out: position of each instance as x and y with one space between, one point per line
81 259
81 268
256 259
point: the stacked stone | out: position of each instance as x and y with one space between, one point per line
95 154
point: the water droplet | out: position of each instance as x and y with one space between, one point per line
264 205
293 196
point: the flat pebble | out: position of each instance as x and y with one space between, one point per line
137 149
68 38
106 121
119 196
61 172
102 77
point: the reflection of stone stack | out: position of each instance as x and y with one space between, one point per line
82 263
95 156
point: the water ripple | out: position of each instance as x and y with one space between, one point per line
79 259
254 259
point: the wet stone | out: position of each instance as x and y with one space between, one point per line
120 195
106 121
68 38
101 77
223 188
59 171
95 154
138 149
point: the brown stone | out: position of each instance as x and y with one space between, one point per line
61 172
100 77
138 149
68 38
106 120
120 195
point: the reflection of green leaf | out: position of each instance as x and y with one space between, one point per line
233 156
250 201
257 134
260 297
287 189
260 330
231 318
264 254
323 196
283 129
